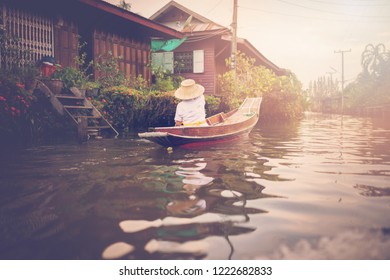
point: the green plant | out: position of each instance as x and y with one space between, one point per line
140 84
77 76
282 93
70 76
108 71
371 87
30 72
164 79
124 5
213 105
92 85
248 80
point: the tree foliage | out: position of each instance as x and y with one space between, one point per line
124 5
371 88
321 90
282 95
374 59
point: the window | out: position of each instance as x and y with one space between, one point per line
183 62
180 62
29 37
198 61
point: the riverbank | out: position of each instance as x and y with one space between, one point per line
27 116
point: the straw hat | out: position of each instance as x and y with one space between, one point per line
189 90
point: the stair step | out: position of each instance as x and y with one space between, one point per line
98 127
88 117
77 107
93 133
69 97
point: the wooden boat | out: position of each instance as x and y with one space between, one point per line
221 127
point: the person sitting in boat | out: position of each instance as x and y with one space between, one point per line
191 109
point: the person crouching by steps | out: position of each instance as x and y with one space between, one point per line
191 109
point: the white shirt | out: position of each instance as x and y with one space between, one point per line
191 111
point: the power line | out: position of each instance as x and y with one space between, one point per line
212 9
328 12
354 4
308 17
204 37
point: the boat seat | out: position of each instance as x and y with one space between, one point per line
216 119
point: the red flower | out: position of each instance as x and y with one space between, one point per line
104 101
2 98
20 85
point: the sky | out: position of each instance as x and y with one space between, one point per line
299 35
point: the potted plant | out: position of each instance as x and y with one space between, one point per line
92 88
54 83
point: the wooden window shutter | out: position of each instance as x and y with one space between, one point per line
168 61
198 61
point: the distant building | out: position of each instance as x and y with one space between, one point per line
202 56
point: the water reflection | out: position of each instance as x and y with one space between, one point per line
284 192
197 208
372 191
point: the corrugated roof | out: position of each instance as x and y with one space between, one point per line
197 27
197 24
130 16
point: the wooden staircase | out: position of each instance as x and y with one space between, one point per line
88 120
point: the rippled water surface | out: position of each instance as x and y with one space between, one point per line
318 189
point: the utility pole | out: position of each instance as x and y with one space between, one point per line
234 37
342 77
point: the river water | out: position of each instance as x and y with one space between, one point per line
317 189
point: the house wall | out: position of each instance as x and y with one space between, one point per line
105 35
208 78
66 25
133 56
66 41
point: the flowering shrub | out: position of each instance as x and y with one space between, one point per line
127 107
28 117
116 104
15 112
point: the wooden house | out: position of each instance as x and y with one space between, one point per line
56 28
203 54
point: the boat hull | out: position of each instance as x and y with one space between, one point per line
233 125
172 140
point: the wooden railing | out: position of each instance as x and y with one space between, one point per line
30 34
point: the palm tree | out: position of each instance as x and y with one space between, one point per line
374 59
124 5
